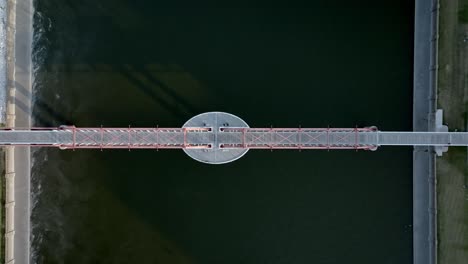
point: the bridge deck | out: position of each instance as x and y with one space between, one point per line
337 138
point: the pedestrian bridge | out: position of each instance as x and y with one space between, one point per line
218 137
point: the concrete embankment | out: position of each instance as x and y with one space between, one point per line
10 121
19 75
424 108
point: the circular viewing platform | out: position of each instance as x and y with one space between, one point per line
216 121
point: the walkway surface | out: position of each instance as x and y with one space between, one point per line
424 109
22 100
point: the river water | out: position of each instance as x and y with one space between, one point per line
143 63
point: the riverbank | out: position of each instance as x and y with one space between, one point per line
7 39
3 92
452 169
9 119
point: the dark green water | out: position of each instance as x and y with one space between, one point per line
142 63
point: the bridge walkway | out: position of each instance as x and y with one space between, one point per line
205 137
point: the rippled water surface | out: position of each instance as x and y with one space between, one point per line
143 63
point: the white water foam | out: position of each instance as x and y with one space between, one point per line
37 156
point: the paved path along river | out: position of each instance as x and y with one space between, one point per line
23 81
423 120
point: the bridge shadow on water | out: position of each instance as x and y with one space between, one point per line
172 93
43 114
138 78
155 89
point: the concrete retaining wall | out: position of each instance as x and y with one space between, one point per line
10 151
424 110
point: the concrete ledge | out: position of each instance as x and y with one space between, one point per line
10 161
10 151
9 252
10 213
9 186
